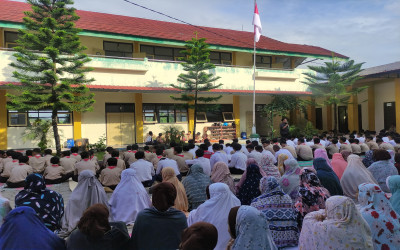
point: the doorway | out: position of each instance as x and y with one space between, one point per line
343 119
120 124
389 114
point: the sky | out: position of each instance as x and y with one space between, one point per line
365 30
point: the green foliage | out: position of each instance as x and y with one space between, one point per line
309 131
49 63
38 130
173 134
100 145
334 82
196 63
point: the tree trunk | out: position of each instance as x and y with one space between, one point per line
55 130
335 119
195 114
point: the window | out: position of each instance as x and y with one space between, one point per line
214 113
228 116
263 61
164 113
120 108
285 62
11 39
118 49
162 53
201 117
222 58
22 119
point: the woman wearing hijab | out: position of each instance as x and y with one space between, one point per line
267 164
249 229
354 175
48 204
89 191
200 236
221 173
327 176
339 226
345 154
5 208
195 184
392 154
249 183
161 226
338 164
382 168
321 153
312 195
369 158
278 209
290 181
23 229
393 183
379 214
95 232
215 211
129 193
181 201
281 166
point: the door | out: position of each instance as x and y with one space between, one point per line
343 119
389 114
318 119
360 123
120 129
262 124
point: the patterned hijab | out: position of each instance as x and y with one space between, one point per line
48 204
221 173
281 216
290 181
250 188
321 153
394 185
252 231
181 201
379 214
195 184
267 164
369 158
339 226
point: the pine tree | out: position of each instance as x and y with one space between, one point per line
334 82
49 63
196 64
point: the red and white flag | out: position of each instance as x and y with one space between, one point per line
257 24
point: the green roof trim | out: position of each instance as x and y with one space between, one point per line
12 25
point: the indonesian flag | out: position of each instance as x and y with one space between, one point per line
257 24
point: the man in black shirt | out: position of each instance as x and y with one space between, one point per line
284 128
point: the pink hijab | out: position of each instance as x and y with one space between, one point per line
339 165
321 153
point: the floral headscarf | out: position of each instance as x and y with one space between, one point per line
290 181
267 164
369 158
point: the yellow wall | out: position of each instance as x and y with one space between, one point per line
77 125
397 98
1 37
329 117
352 111
384 92
3 120
139 117
236 114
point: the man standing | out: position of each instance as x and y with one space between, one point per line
284 128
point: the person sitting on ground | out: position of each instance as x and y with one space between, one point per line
94 159
281 166
195 185
303 151
218 156
120 163
6 158
397 161
144 169
180 160
161 226
382 168
149 138
355 148
84 164
129 192
48 204
199 236
237 165
167 162
279 151
290 180
68 164
95 232
9 165
160 138
207 152
332 148
186 154
47 156
291 149
384 145
221 173
111 175
127 154
19 173
345 154
215 211
54 174
181 201
89 191
202 161
75 154
327 176
321 153
159 155
148 153
23 229
369 158
317 144
248 186
37 162
5 208
344 146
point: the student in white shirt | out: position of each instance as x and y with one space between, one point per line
237 165
218 156
165 162
203 162
144 169
279 151
192 149
256 154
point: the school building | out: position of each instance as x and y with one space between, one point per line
135 60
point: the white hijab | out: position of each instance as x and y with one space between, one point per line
216 211
354 175
129 198
88 192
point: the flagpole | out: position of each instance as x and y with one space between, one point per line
253 130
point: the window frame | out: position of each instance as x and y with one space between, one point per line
175 55
261 64
17 125
226 120
157 116
205 116
154 113
27 118
105 51
221 61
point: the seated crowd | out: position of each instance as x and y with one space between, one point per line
347 198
